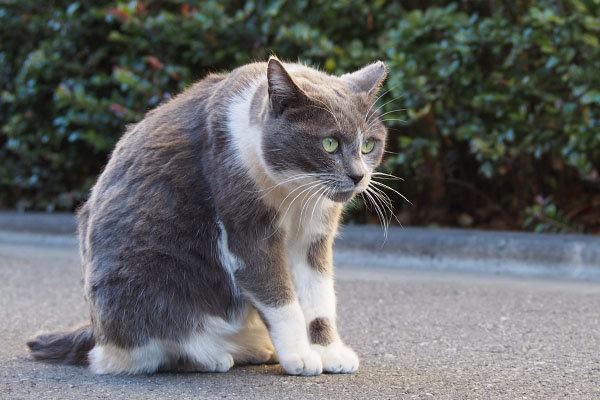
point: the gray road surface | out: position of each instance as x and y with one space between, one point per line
420 335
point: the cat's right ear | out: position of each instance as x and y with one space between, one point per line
368 79
283 91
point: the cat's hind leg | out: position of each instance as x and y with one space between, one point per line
224 343
208 350
206 353
212 349
253 344
112 359
198 353
215 348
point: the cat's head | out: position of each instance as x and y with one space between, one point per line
323 128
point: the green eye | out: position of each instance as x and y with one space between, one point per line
367 146
330 144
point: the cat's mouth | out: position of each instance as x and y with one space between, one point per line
341 191
342 195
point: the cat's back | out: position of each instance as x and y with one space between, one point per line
153 191
175 131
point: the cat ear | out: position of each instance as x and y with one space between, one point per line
283 91
368 79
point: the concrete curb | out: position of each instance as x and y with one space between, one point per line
502 253
490 252
38 222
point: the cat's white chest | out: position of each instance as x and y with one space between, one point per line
306 221
301 230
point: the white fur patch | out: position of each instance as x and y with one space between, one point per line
315 292
314 289
109 359
228 260
288 333
247 138
214 349
210 349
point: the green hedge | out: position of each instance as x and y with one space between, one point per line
499 98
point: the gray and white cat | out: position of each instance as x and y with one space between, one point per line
207 240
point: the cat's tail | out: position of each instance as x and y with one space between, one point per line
69 347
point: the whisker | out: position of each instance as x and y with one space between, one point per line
385 205
393 190
383 175
288 180
394 119
378 209
329 190
385 198
309 184
314 184
291 179
378 119
387 202
365 203
381 106
304 191
375 102
387 179
308 204
306 199
352 204
379 213
378 192
312 214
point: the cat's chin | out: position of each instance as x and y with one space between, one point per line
341 197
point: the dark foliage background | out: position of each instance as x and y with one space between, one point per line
493 106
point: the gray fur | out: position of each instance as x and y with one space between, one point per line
320 331
70 347
320 256
150 229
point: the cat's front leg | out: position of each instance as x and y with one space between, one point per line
265 281
313 278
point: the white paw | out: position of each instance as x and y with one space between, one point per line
220 364
306 363
337 358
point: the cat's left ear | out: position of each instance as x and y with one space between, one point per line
368 79
283 91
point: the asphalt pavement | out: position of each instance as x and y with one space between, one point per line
419 334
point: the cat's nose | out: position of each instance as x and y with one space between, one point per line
356 178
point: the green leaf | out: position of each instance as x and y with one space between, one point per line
72 9
593 96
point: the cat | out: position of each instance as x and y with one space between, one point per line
207 240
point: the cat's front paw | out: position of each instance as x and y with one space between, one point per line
337 358
306 363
